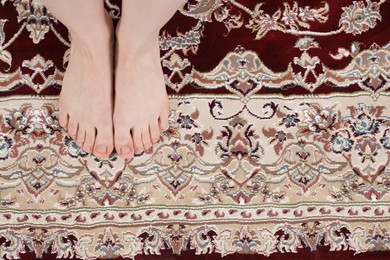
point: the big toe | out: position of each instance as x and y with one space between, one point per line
104 142
124 143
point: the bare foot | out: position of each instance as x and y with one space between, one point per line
86 99
141 101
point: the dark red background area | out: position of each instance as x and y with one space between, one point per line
276 50
303 254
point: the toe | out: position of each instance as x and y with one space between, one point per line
124 142
89 142
104 142
154 133
137 141
63 120
73 128
146 139
80 138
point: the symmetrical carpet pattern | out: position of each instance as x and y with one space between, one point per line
279 136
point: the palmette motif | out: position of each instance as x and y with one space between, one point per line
267 151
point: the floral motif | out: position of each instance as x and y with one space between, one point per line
386 139
341 141
201 140
5 147
378 238
358 18
290 120
289 133
40 68
109 244
185 121
240 152
38 241
368 68
318 120
304 164
247 241
365 120
36 17
176 165
73 149
277 138
293 17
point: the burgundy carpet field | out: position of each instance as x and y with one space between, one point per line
278 144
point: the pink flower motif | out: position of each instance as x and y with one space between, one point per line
263 23
269 23
318 121
307 14
289 17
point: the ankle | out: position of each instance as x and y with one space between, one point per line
130 32
93 43
91 38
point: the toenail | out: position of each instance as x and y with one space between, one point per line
138 150
101 149
155 140
88 149
125 150
148 146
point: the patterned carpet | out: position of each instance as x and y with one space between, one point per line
279 137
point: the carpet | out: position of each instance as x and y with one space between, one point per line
279 137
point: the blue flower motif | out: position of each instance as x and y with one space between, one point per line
290 120
185 121
197 138
341 142
386 139
364 124
178 43
5 145
73 149
192 37
281 136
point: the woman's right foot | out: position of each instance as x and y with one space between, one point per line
86 99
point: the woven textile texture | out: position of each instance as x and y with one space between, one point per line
279 136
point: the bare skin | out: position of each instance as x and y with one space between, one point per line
141 101
86 98
86 101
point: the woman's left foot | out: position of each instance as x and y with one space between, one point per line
141 101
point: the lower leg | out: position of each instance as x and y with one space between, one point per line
141 101
84 19
146 17
85 101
